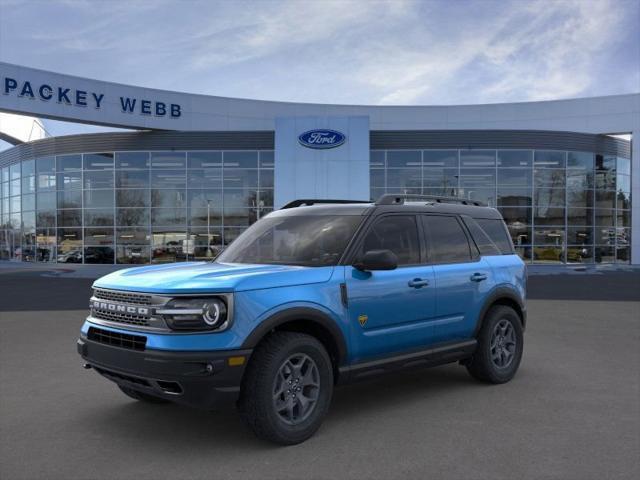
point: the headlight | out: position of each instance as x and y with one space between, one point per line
195 314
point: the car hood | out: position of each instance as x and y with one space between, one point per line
203 277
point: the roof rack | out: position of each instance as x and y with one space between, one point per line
308 202
400 199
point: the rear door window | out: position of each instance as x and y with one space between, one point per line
446 239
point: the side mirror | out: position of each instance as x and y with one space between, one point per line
377 260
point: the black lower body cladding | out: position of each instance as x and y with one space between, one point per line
204 380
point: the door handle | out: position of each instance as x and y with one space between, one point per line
478 277
418 283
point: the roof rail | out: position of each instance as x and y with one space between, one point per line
302 202
401 198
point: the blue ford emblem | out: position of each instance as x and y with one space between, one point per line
322 138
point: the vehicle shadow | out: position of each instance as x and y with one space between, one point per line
157 426
401 388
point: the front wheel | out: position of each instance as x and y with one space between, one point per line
287 388
500 344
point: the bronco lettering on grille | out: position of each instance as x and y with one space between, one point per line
114 307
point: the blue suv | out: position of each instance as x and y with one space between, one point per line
316 294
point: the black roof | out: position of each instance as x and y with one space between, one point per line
472 211
327 209
414 206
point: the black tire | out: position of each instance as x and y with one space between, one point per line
490 363
264 378
141 396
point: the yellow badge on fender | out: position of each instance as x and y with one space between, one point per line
362 319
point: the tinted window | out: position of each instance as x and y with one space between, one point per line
68 162
314 240
398 234
98 161
168 160
132 178
446 239
240 159
132 160
514 158
482 240
43 165
497 233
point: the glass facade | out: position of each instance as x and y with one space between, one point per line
131 207
165 206
560 207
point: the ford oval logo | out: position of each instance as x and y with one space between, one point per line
322 138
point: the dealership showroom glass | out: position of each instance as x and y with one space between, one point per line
192 171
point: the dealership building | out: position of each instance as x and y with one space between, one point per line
193 171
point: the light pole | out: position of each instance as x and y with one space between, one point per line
208 219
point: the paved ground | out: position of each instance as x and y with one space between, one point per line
572 412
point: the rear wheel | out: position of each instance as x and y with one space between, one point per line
141 396
500 344
287 388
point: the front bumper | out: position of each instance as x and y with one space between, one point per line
198 379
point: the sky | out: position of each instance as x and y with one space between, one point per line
392 52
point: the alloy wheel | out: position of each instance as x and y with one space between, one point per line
503 344
296 389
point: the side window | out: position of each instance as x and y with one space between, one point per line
482 240
398 233
497 233
446 239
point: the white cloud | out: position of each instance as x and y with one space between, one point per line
287 26
552 56
542 51
388 52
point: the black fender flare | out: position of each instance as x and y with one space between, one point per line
299 313
496 295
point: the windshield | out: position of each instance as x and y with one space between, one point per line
313 241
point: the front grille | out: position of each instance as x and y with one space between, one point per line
122 297
116 339
133 316
128 318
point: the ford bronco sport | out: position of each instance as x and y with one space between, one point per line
313 295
